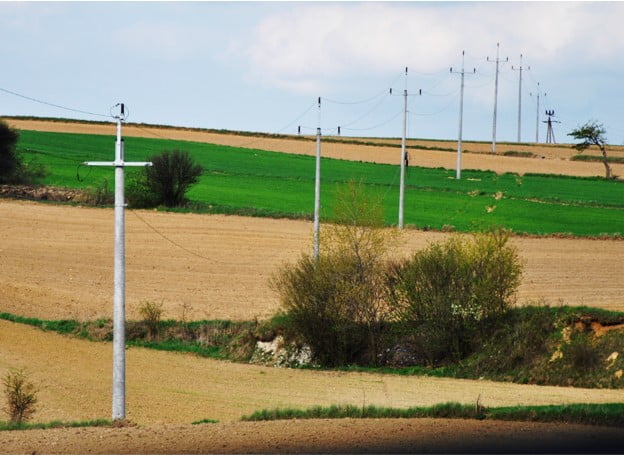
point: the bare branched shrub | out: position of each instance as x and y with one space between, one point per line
151 312
21 396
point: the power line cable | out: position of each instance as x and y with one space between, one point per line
378 125
173 242
366 114
52 104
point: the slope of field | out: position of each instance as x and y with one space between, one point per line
239 179
552 163
163 387
56 262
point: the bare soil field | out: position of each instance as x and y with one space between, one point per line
57 262
323 436
167 391
555 159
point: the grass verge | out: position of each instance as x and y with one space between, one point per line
8 426
607 414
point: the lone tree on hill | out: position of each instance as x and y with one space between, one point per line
593 133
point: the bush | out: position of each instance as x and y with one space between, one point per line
337 303
170 176
21 396
13 169
447 292
151 312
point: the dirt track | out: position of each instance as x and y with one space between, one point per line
56 262
553 162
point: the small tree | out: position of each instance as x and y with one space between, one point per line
590 134
170 176
21 396
10 162
337 304
13 169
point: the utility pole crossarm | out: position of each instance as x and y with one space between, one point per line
118 164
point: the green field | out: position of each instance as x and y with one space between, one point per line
237 179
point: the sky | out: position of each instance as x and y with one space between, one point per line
261 66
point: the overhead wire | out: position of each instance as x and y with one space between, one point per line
36 100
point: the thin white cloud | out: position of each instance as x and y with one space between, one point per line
299 49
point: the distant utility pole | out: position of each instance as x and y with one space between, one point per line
520 68
537 94
461 114
550 133
317 187
119 299
497 61
403 154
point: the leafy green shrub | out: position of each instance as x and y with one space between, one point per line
448 292
21 396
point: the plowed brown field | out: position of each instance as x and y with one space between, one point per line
56 262
554 159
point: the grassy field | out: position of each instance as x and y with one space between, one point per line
238 179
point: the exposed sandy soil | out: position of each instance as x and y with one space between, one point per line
57 262
168 390
324 436
552 163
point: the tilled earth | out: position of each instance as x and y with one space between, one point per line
56 262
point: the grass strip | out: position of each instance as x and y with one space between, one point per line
63 326
9 426
593 158
607 414
199 422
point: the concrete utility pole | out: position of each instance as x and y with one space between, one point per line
317 187
461 114
119 297
403 151
497 60
520 68
403 154
537 94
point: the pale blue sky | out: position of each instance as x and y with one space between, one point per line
258 66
